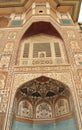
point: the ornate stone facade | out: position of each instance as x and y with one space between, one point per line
15 70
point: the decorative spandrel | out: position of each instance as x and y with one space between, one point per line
42 88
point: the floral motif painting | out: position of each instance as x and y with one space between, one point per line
25 109
61 107
43 110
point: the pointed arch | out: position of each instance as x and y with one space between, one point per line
46 95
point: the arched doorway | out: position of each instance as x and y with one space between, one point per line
43 103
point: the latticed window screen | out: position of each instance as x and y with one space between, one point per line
26 50
57 50
41 47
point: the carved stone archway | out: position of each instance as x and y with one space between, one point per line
43 93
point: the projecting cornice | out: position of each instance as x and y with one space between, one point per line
20 6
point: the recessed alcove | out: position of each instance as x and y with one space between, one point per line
43 103
41 44
40 11
41 27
